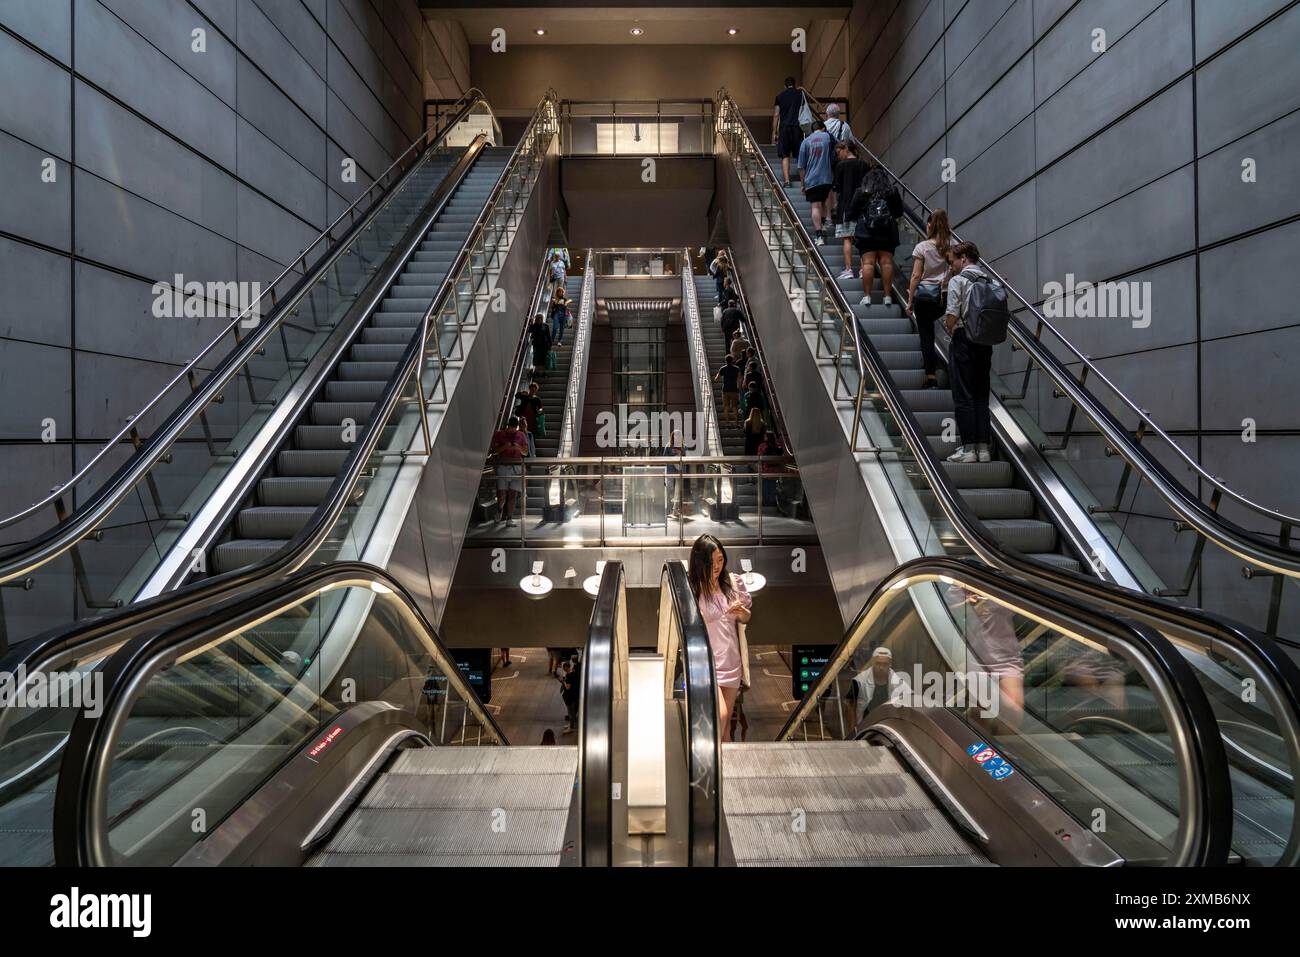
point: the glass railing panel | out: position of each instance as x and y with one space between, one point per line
207 727
1082 721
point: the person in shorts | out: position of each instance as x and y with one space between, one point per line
786 132
875 208
816 176
729 376
849 174
509 446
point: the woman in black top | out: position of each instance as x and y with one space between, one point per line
755 429
876 206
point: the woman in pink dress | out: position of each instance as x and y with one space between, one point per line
724 606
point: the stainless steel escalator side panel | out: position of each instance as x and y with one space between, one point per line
281 822
1020 824
860 546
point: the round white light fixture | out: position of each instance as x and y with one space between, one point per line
540 32
731 31
591 584
536 585
636 31
752 579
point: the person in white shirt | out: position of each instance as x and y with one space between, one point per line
969 363
838 129
878 684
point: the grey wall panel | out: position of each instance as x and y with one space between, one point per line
270 231
1218 24
46 25
29 206
919 88
1251 376
120 229
35 385
1228 204
136 331
169 25
1014 216
120 147
263 105
1012 36
117 59
220 13
1102 170
1047 13
1158 222
1230 307
297 25
1235 97
266 46
918 136
357 143
995 171
36 305
1069 47
42 113
1133 68
970 26
1009 101
266 167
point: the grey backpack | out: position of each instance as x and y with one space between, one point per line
987 314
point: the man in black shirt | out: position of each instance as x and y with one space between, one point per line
732 317
786 132
849 174
729 375
540 337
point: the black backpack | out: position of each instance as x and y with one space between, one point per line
879 218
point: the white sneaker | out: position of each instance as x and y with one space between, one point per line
887 301
819 240
866 301
983 453
847 274
962 456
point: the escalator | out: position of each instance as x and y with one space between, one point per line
916 505
1107 753
360 742
363 501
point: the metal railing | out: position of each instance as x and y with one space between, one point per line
756 338
602 724
1271 554
703 379
575 392
668 501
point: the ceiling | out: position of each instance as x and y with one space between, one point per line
577 24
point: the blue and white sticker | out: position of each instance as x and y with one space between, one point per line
992 762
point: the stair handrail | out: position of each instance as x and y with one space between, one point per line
576 388
1241 542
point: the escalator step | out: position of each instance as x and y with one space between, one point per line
1024 534
311 462
334 413
292 490
269 522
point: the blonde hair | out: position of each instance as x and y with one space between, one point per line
939 231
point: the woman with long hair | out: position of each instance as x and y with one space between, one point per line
725 606
928 288
876 207
755 430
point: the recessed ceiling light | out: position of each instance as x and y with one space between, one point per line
636 31
731 31
540 32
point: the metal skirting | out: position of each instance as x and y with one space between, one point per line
832 803
459 807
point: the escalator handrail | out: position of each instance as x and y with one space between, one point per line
575 389
1205 813
1208 627
79 836
703 732
517 364
42 652
85 638
596 745
1245 544
48 545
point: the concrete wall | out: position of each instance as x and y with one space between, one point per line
220 165
1125 164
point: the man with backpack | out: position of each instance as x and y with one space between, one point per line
977 319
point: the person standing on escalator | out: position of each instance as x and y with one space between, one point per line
540 337
725 606
787 134
929 286
816 176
